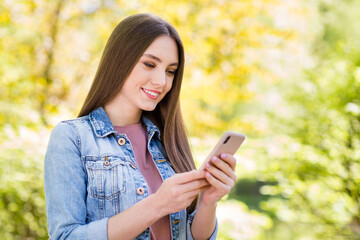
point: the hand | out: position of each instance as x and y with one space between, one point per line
177 192
220 173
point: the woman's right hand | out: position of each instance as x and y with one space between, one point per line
177 192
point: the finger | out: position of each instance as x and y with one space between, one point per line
194 193
220 175
230 159
224 167
188 176
216 183
188 187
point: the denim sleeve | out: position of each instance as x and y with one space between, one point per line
188 228
65 188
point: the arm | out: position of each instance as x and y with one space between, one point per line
65 188
221 176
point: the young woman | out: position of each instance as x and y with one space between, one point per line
124 169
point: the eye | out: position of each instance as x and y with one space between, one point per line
149 65
171 72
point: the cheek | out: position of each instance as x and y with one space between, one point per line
166 90
168 86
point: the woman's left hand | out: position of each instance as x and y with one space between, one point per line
220 173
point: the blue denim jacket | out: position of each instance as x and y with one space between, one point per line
90 176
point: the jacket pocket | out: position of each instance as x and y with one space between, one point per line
105 176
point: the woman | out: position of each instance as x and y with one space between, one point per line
110 174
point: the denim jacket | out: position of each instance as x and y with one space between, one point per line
91 174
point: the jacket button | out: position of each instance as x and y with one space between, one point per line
140 191
106 163
133 165
121 141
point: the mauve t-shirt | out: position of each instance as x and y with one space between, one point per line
138 138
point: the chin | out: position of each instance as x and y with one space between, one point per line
149 108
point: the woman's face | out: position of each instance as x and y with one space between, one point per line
152 77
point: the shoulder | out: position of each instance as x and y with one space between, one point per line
69 129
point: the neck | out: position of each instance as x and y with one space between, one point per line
122 115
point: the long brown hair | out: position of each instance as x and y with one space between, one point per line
127 43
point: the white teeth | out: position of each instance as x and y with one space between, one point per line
151 93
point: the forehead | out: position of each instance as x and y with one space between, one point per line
165 48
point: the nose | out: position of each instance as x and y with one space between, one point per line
159 78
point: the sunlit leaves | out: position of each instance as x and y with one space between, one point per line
317 165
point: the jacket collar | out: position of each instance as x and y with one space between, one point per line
102 125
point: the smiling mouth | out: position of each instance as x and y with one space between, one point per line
151 94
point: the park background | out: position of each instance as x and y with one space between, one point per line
286 73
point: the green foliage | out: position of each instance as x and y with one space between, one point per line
317 161
22 205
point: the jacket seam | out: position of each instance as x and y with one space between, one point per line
77 138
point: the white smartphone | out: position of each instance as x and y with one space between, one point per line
228 143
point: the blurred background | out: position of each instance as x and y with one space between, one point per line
286 73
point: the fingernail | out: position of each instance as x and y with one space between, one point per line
207 165
223 155
215 159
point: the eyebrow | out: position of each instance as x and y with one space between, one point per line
158 59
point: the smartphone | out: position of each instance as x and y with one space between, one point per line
228 143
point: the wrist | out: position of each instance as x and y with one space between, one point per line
206 204
157 205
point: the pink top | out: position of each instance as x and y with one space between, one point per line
138 138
